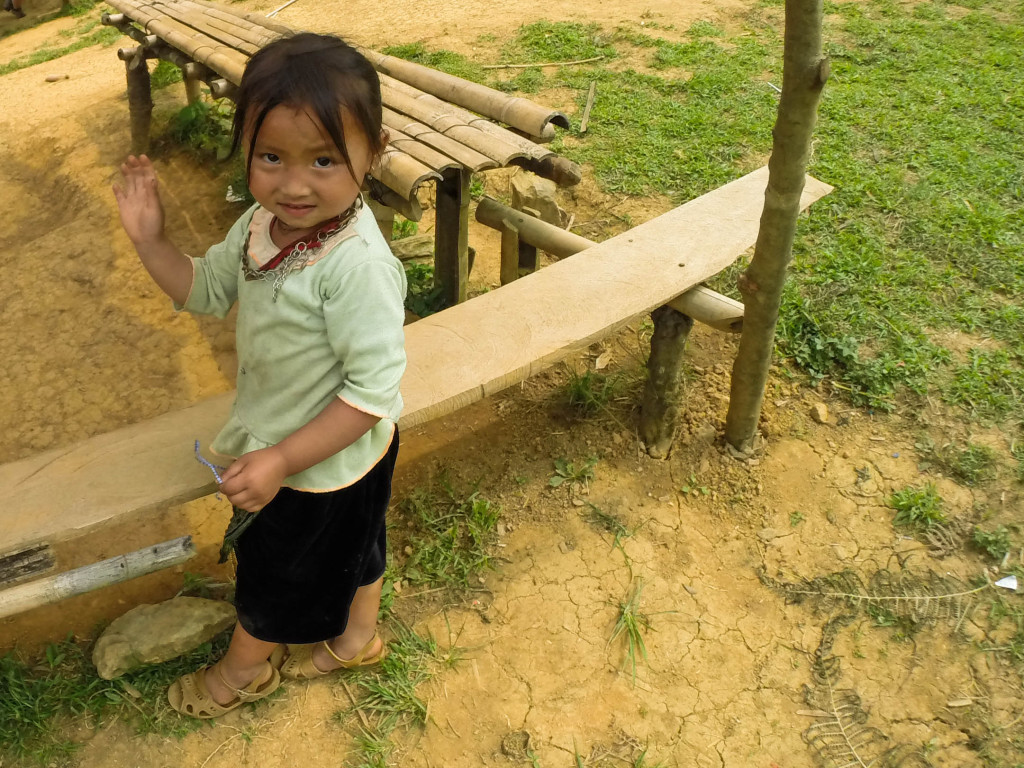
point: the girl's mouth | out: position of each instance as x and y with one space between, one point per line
296 210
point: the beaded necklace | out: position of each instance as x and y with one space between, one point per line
293 257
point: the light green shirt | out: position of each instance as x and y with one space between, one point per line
335 330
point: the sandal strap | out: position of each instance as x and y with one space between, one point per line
356 660
251 691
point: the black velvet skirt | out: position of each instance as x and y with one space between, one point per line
302 559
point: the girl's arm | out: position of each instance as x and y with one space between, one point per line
255 478
142 216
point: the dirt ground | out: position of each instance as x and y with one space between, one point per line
89 345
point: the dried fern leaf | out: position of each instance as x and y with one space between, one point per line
840 737
927 598
944 539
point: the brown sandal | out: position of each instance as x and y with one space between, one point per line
190 696
299 663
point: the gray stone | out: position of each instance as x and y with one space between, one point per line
150 634
414 247
534 194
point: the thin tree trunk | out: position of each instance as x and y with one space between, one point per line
659 411
805 70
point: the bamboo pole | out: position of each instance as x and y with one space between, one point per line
468 157
91 577
427 155
556 241
520 113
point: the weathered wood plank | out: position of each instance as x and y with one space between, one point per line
456 357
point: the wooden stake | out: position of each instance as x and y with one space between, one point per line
90 577
659 410
451 233
140 103
590 105
509 252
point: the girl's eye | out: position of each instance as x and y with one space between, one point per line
323 162
270 157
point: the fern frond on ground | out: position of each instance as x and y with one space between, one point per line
840 737
926 598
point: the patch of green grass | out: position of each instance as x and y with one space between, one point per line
77 7
164 74
389 697
795 518
631 624
590 392
917 507
103 36
995 543
692 487
204 127
548 41
573 475
969 465
423 297
38 697
1017 451
610 523
452 534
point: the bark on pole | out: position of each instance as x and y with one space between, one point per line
659 409
805 70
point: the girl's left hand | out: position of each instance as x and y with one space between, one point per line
254 479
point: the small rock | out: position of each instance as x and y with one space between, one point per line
819 413
691 590
407 550
397 586
501 529
151 634
564 547
767 534
533 193
578 502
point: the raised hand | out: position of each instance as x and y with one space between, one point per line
138 201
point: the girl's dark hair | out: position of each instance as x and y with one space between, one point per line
321 73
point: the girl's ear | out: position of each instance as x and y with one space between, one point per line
385 139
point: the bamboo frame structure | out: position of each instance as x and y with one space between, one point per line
434 135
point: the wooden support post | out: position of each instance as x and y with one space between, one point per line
509 252
385 217
451 235
659 409
193 74
527 258
140 103
90 577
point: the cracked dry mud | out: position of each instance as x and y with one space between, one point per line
89 346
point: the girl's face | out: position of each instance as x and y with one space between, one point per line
299 175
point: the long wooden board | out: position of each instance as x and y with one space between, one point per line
456 357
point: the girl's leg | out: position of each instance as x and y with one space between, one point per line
245 661
362 623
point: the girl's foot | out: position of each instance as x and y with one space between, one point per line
342 651
307 663
190 694
223 683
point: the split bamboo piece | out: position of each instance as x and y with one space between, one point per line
468 157
53 589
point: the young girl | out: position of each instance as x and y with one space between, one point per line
320 355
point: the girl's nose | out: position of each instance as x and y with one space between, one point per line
294 184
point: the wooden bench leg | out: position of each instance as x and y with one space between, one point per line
191 75
659 410
451 236
140 103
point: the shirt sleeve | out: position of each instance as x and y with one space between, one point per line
364 317
215 277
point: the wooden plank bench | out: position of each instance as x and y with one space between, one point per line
442 127
456 357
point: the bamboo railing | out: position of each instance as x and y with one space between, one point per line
427 113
